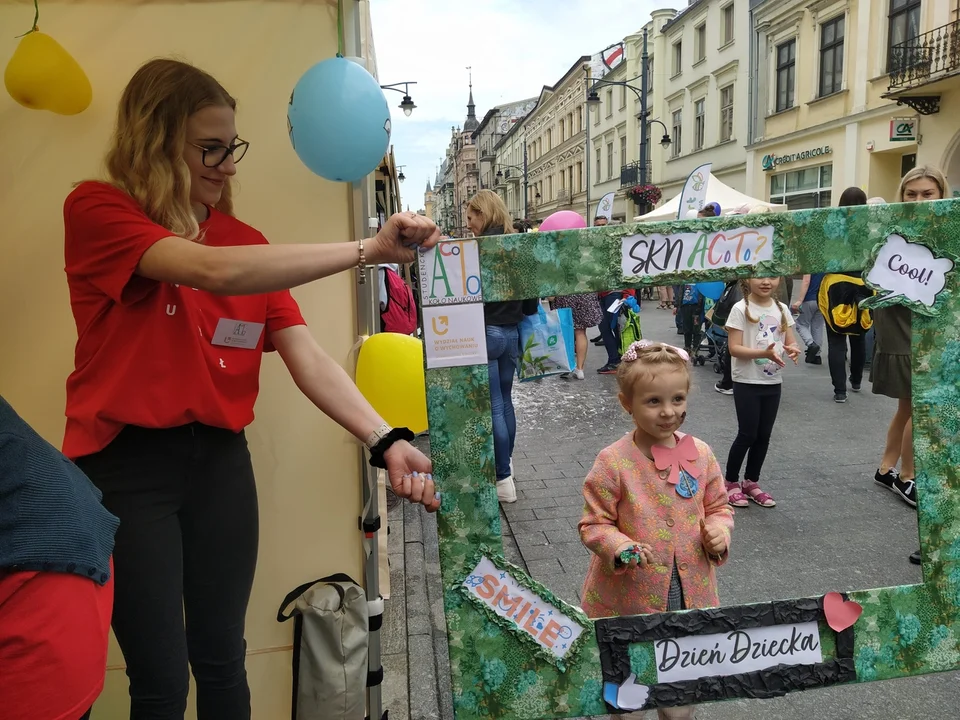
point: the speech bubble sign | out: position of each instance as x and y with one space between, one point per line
909 271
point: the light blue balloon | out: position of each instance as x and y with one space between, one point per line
712 290
339 120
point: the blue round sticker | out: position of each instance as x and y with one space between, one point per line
688 485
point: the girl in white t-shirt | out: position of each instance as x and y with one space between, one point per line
760 330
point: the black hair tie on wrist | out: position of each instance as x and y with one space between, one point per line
377 451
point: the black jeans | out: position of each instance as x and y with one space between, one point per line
186 549
726 380
610 335
689 325
757 407
837 359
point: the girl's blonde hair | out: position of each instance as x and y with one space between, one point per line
925 171
489 206
648 360
745 289
145 159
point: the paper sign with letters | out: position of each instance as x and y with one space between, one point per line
907 270
740 651
454 335
449 273
656 254
527 612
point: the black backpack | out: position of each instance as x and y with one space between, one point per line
732 294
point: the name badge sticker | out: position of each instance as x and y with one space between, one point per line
237 334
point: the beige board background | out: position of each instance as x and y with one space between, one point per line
307 468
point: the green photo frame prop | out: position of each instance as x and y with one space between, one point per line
902 631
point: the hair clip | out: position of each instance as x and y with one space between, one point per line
631 354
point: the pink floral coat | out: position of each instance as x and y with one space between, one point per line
626 500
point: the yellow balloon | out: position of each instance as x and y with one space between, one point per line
41 75
390 376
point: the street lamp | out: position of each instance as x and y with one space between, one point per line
400 176
594 99
407 105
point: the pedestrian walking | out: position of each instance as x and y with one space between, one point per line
891 373
586 314
487 215
176 302
650 554
760 332
810 324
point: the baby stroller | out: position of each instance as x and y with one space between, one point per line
715 343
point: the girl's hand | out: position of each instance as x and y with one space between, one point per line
713 539
398 240
793 352
410 476
645 556
771 354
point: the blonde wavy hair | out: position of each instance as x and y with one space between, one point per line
145 158
650 359
489 206
925 171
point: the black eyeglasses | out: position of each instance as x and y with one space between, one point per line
214 155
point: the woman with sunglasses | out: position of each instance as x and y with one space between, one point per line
175 300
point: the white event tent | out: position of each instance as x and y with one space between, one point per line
730 200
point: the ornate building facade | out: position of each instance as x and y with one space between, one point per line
554 133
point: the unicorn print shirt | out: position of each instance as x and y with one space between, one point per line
761 327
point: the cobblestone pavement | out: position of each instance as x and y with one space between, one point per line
833 528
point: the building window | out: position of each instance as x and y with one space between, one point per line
623 150
676 145
570 178
549 139
596 113
562 126
609 103
623 97
699 43
609 160
726 113
569 125
904 26
727 24
579 177
677 57
699 124
786 74
549 188
831 56
803 189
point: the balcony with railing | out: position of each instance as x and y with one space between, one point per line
487 154
630 174
513 176
922 61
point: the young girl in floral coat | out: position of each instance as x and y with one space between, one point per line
656 516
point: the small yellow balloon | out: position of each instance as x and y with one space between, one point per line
41 75
390 376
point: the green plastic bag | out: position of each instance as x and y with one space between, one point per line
630 331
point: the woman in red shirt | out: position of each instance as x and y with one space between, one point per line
175 300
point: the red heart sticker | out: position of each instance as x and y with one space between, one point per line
840 613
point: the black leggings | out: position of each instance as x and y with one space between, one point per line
757 407
186 549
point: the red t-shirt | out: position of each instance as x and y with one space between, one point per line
144 352
54 629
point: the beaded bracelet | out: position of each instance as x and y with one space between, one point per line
361 265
